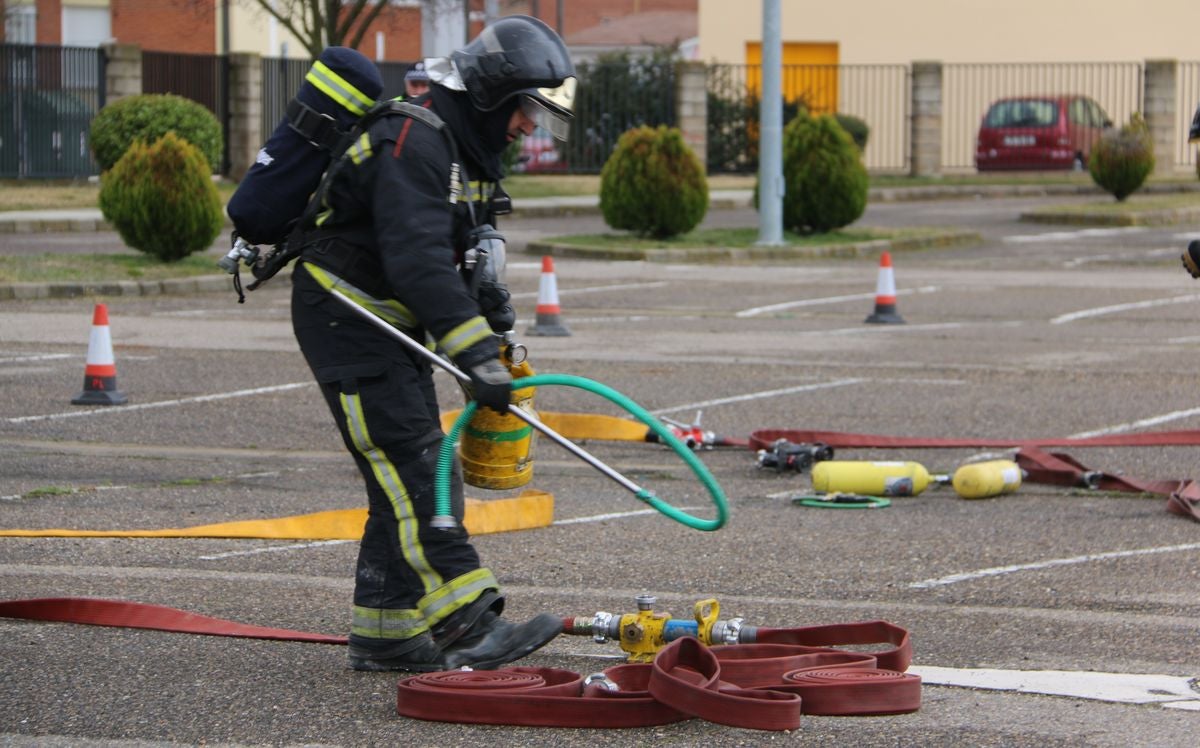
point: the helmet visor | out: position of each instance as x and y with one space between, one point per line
550 108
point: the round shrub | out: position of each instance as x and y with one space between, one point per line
147 117
825 180
856 128
1121 160
653 184
162 200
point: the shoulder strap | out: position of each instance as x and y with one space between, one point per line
373 115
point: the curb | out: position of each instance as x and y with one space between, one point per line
67 290
1171 217
731 255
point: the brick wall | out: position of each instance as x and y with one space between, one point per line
401 27
49 21
166 25
583 14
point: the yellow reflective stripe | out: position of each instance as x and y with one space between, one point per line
389 310
464 336
361 150
456 593
387 477
338 88
379 623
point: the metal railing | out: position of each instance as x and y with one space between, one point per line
876 94
48 96
201 78
968 89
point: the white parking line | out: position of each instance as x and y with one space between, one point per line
1135 425
35 357
160 404
757 310
595 289
1115 308
996 571
759 395
1126 688
274 549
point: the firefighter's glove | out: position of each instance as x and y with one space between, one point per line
1191 258
496 308
491 384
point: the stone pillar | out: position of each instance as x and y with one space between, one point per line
691 106
925 140
1158 93
122 71
245 112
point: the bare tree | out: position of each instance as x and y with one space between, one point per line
318 24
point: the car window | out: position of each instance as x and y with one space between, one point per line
1099 116
1080 113
1022 113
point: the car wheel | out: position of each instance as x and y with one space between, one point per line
1079 164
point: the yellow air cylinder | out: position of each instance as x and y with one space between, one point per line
870 478
981 480
497 450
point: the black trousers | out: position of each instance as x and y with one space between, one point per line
409 576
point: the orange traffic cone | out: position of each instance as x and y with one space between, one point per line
885 294
547 322
100 374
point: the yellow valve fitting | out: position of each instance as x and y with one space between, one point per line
706 612
642 632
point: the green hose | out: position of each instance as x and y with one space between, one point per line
446 455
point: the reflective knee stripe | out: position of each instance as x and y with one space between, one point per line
389 310
464 336
338 88
456 593
387 477
380 623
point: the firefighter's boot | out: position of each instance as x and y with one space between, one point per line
478 637
419 654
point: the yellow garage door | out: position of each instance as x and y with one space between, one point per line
810 73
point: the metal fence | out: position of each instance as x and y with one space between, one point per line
201 78
968 90
48 96
876 94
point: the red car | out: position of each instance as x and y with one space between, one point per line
1039 132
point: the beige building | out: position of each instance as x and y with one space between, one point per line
961 31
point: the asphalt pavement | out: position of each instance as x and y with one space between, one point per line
1052 616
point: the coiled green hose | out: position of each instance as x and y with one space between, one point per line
446 455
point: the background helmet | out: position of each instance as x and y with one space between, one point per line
520 56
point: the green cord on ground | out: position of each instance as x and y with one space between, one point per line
446 454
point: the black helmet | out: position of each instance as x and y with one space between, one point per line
520 56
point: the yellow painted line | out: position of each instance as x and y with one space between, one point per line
579 425
530 509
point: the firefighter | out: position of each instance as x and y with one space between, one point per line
394 224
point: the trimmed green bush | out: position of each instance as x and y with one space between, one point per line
825 180
1121 160
162 200
147 117
856 128
653 184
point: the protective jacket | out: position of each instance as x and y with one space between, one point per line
393 225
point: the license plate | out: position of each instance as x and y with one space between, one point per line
1018 140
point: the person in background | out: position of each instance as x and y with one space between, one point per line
416 81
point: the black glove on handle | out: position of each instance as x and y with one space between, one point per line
491 384
493 302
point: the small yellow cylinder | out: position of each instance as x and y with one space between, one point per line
870 478
981 480
497 450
